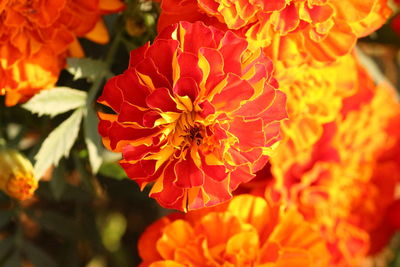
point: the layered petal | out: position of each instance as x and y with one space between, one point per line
293 31
247 232
182 111
37 36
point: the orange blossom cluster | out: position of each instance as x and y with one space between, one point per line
37 35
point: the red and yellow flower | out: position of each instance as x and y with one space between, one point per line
197 113
37 36
248 231
344 180
291 30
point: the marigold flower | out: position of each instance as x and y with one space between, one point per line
314 98
197 113
291 30
37 36
248 231
345 180
16 175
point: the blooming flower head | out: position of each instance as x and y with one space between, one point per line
249 231
197 113
314 98
345 180
16 175
291 30
37 36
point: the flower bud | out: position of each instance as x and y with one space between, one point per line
16 175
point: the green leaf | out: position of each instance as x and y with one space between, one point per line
113 170
93 140
37 256
6 245
57 223
56 101
58 143
57 182
86 68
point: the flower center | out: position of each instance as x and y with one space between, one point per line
194 134
188 130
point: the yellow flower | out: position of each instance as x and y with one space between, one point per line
16 175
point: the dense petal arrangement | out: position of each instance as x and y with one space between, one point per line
292 31
249 231
315 96
197 113
345 178
37 36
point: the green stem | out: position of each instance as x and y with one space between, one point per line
104 74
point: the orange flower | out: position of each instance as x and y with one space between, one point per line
37 36
345 179
249 231
197 113
315 98
291 30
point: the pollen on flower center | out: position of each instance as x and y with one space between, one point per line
194 134
190 130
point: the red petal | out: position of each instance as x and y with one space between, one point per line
171 195
277 111
206 109
216 172
272 133
162 51
232 48
258 105
288 19
133 91
104 127
231 96
187 173
196 35
112 95
140 170
119 133
241 174
148 67
218 192
249 133
186 86
150 117
215 63
161 99
188 66
137 55
137 152
130 113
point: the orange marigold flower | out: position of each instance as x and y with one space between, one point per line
16 175
197 114
37 36
289 29
248 231
314 98
352 167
